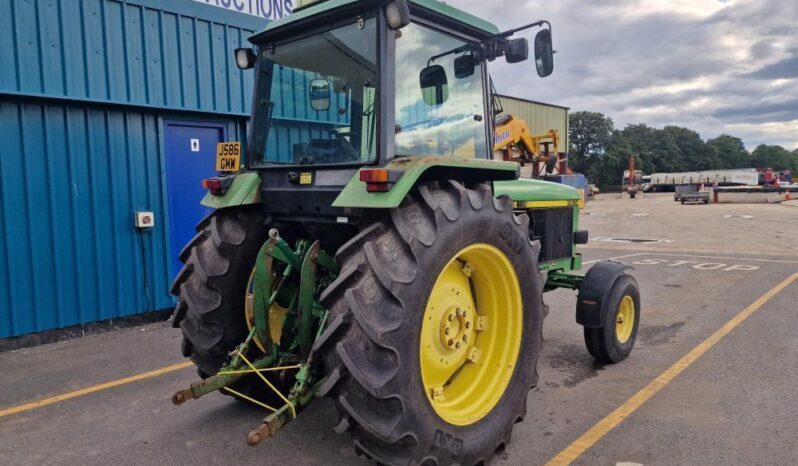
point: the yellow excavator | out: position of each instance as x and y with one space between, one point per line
514 142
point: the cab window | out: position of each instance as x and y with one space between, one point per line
439 95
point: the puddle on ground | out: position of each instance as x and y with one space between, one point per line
630 240
570 360
659 334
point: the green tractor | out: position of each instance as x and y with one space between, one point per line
373 252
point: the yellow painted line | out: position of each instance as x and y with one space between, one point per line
93 389
612 420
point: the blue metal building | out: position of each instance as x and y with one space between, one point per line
109 107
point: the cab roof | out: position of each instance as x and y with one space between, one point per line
332 9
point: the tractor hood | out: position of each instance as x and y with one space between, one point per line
327 12
535 190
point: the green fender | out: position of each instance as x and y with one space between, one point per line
245 190
412 170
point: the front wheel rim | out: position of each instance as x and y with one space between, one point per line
625 319
471 334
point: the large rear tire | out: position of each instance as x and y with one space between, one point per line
374 354
211 290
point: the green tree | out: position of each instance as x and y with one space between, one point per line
602 152
589 133
692 153
775 157
608 168
731 152
642 140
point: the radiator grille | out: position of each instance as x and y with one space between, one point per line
555 230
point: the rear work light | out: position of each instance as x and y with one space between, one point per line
379 180
218 185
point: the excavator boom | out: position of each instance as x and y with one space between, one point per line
514 141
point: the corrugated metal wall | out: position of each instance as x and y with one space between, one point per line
84 86
539 116
70 179
127 52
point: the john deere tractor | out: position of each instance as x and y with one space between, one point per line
372 252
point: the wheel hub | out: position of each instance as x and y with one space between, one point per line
456 325
624 319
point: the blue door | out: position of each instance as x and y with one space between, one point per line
190 157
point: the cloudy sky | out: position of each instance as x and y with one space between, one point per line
714 66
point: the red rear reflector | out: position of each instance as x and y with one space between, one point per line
378 175
214 185
378 187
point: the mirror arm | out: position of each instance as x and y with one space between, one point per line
506 34
496 45
461 49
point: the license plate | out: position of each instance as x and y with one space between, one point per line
228 157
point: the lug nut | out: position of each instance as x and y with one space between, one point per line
451 342
457 345
451 317
446 330
468 325
465 338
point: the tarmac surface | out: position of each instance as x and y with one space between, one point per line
735 404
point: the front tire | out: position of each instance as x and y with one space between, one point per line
613 342
379 310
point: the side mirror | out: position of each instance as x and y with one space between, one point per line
544 53
517 50
245 58
320 95
434 85
464 66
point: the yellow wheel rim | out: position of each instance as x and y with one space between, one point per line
625 319
471 334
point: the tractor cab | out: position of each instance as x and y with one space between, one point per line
342 86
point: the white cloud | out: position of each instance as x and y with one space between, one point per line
713 66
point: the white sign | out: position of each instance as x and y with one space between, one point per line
195 145
269 9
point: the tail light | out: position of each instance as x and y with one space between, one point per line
379 180
218 185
